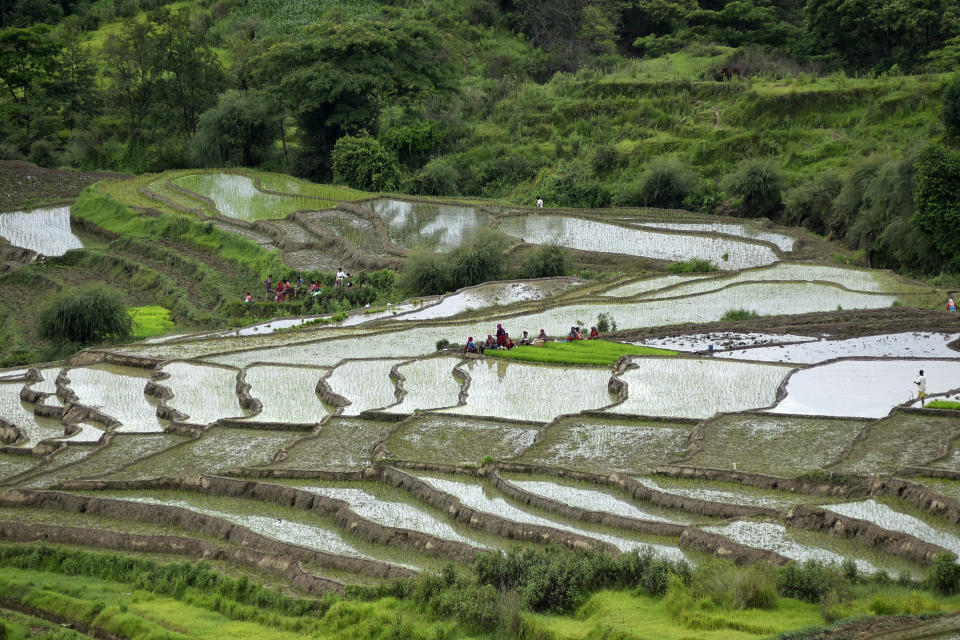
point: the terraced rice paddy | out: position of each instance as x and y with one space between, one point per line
648 284
723 340
588 235
236 196
118 393
485 296
458 440
343 444
479 497
421 225
45 231
901 440
777 445
84 434
33 429
896 345
893 520
726 493
863 388
366 383
357 230
697 388
48 380
593 500
604 445
203 393
288 394
428 384
782 241
532 392
390 513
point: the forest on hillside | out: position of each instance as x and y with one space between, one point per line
841 116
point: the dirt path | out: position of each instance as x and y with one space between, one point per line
836 324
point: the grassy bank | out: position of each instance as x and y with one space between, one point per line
589 352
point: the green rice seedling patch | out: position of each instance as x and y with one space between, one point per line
236 196
365 383
217 448
587 352
481 496
646 285
122 450
802 545
423 225
429 384
944 404
286 524
895 519
12 464
697 388
442 439
540 393
606 445
900 440
15 412
343 444
730 492
204 393
45 231
594 498
288 394
864 388
149 321
117 392
353 228
778 445
620 614
20 625
589 235
782 241
391 512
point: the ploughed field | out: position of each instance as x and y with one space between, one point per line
363 452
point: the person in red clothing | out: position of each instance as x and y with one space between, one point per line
543 335
279 291
594 334
501 336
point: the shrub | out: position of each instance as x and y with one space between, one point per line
479 259
739 314
758 184
426 273
442 343
437 178
695 265
943 575
572 184
810 581
363 163
811 204
546 262
664 185
94 314
754 588
833 606
951 107
605 323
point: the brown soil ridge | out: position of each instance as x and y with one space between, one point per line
919 496
838 324
851 487
693 539
194 521
290 569
865 532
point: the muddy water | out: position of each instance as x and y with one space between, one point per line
420 225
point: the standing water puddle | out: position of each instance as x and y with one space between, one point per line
45 231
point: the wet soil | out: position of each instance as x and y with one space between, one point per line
23 184
836 324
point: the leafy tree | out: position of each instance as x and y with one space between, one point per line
134 67
742 22
663 185
935 196
437 178
811 203
572 184
28 63
236 132
91 315
335 81
362 163
758 184
642 18
951 107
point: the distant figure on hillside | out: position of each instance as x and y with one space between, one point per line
951 305
268 283
341 276
921 382
539 202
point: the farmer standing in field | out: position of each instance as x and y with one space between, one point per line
921 382
268 283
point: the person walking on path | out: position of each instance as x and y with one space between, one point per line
921 382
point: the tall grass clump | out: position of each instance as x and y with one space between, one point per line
94 314
738 314
696 265
758 186
664 185
479 259
546 262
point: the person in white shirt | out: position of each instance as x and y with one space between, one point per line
539 203
921 382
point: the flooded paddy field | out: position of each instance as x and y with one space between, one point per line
203 393
729 492
45 231
783 241
776 445
14 411
118 393
365 383
428 384
897 345
288 394
423 225
602 445
900 440
444 439
343 444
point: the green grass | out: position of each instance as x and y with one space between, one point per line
739 314
591 352
149 321
943 404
